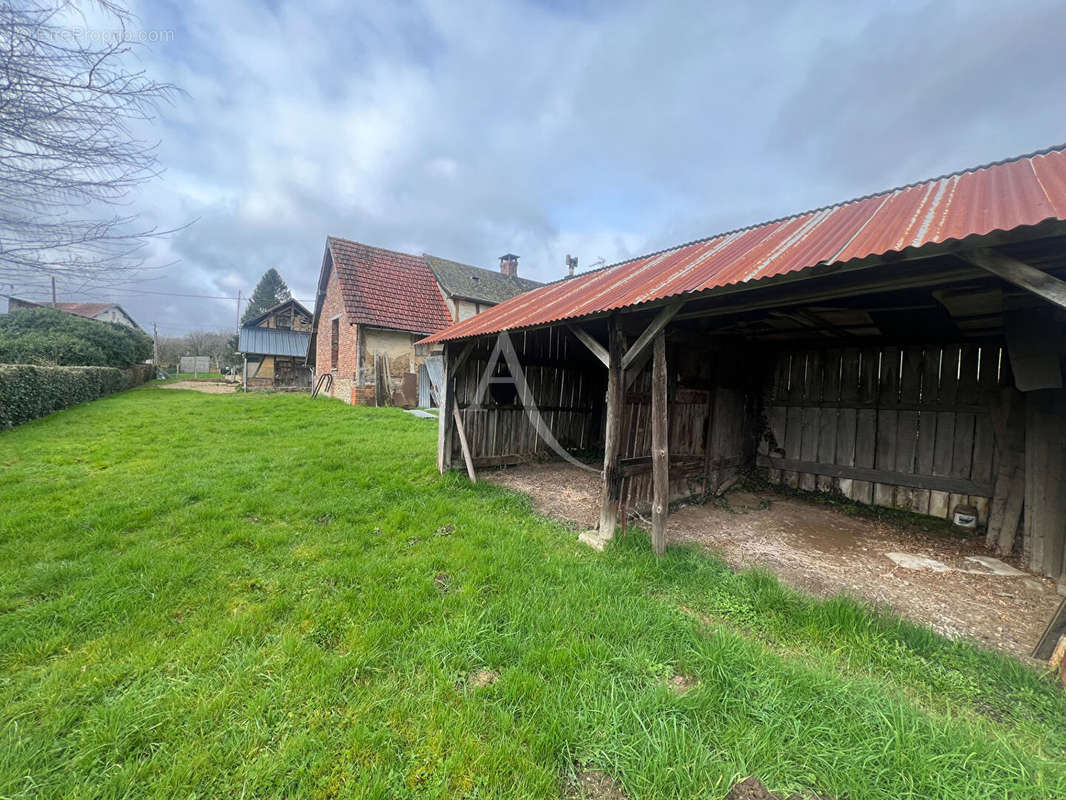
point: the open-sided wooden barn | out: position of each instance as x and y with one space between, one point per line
904 349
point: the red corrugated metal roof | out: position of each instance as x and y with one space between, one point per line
1002 196
387 289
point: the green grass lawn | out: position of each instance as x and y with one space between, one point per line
264 596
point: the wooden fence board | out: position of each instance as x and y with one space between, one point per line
829 418
776 417
965 423
887 418
866 422
811 416
794 415
927 400
847 416
910 390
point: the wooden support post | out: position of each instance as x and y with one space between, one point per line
612 478
445 422
463 443
660 447
1009 493
1045 468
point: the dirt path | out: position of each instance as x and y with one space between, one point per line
824 551
207 387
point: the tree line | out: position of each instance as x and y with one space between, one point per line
220 346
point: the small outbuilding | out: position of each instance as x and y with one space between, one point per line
274 346
903 349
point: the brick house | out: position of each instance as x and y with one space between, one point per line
373 305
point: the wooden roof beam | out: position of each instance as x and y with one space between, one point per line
590 342
1020 274
662 319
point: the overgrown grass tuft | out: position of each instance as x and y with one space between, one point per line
247 595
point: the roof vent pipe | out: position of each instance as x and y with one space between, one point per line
571 264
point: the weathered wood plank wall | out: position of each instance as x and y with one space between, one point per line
708 427
707 414
908 427
567 386
687 418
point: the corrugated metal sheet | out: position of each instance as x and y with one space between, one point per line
997 197
272 342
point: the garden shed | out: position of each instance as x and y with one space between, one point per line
903 349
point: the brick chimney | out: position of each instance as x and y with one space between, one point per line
509 264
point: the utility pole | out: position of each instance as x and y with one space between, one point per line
238 329
155 346
53 291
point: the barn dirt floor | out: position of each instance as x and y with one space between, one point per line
820 549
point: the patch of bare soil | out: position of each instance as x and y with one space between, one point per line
752 789
482 678
822 550
679 684
202 386
594 784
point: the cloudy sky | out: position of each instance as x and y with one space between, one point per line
599 129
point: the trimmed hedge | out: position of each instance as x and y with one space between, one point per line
47 336
28 392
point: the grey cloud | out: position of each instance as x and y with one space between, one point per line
602 130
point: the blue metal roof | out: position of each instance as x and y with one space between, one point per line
272 342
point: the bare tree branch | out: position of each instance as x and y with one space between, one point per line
69 105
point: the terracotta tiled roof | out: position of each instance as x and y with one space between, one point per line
1009 194
84 309
387 289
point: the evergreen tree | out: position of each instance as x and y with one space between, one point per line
270 291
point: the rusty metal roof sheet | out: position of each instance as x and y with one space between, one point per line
995 197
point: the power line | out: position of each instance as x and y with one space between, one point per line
173 294
134 293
